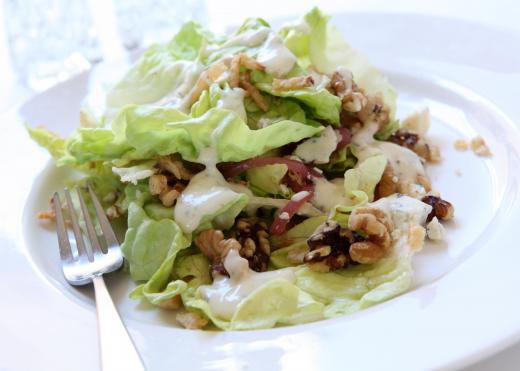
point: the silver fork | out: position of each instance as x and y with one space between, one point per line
117 349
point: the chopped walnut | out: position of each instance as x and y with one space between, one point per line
387 185
420 146
168 197
170 182
352 98
294 83
479 147
377 225
157 183
173 165
253 92
171 303
460 145
441 209
390 184
212 244
328 247
50 214
375 111
46 215
191 320
253 238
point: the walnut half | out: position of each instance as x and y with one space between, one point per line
212 244
328 247
253 238
377 226
441 209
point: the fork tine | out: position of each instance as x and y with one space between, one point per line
94 242
63 238
80 243
108 232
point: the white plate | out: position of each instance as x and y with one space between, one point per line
464 304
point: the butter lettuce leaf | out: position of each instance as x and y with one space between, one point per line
162 69
144 132
151 245
320 102
318 44
277 301
48 140
365 176
358 287
267 179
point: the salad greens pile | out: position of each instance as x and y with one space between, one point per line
287 130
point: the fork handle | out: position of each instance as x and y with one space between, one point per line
117 349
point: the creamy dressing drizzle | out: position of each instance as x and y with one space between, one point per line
233 100
405 163
328 194
318 149
277 59
206 193
225 294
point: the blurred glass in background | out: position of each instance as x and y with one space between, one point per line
49 40
141 23
52 40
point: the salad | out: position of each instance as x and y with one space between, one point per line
263 176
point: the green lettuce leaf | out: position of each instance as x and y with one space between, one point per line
47 139
194 269
321 103
339 162
365 176
299 232
150 247
279 110
268 179
359 184
277 301
358 287
293 242
162 69
143 132
388 130
316 43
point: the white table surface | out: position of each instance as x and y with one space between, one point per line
497 13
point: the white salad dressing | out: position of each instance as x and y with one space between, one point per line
405 163
225 294
318 149
233 100
206 193
275 56
328 194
